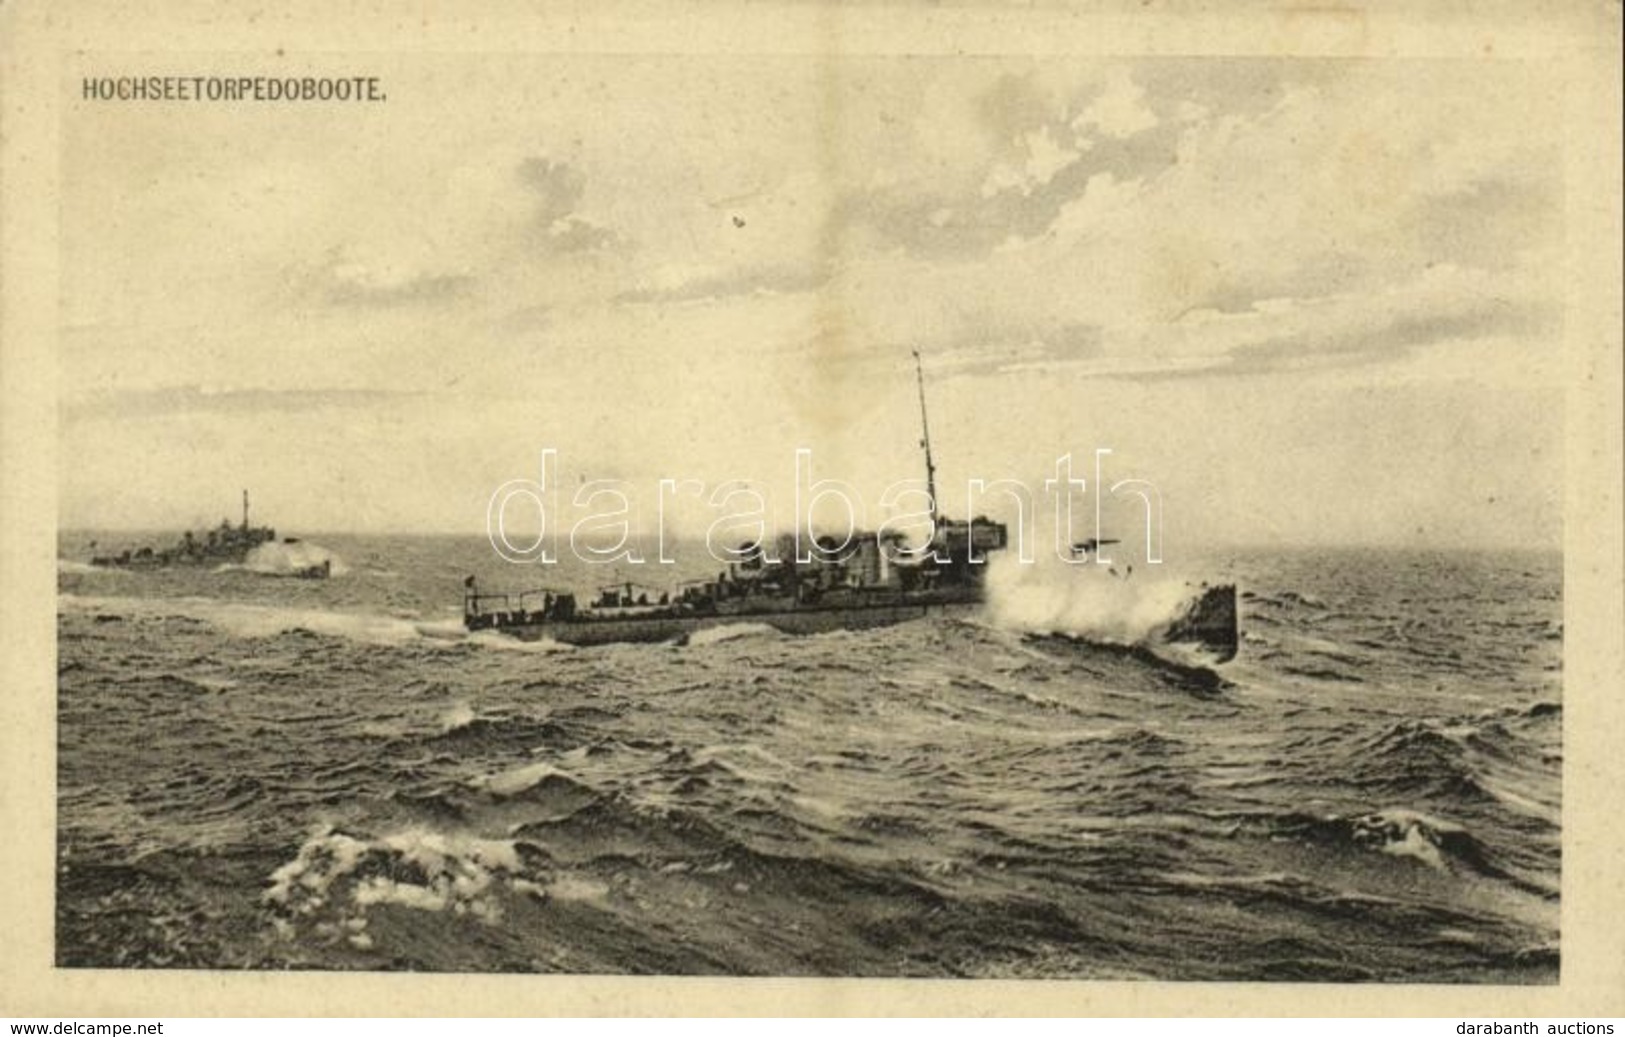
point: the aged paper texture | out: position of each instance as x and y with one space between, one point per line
811 509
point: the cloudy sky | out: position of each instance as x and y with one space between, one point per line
1309 300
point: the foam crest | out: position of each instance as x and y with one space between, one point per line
68 565
729 632
1441 845
1051 596
459 716
520 779
339 877
242 619
291 559
269 620
503 643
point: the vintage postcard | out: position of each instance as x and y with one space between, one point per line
810 500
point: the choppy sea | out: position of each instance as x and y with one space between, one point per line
266 773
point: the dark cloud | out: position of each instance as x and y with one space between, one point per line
970 224
556 186
983 343
925 222
989 349
940 218
1395 339
578 235
1015 104
556 190
1315 276
1491 220
951 216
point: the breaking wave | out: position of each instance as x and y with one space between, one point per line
730 632
336 880
1052 597
281 558
69 565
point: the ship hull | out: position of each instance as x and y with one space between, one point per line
615 629
1207 622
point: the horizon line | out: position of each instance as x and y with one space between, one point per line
640 538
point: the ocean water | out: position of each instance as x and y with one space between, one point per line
269 773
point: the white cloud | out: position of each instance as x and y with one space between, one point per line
1119 111
1045 157
348 279
1103 196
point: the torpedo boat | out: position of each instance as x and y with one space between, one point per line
870 580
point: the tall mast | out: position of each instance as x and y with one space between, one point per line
245 509
925 438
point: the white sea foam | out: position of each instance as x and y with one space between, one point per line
68 565
441 852
268 621
517 780
460 875
1415 844
445 630
324 857
280 558
729 632
250 620
504 643
1406 833
576 888
460 715
1051 596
